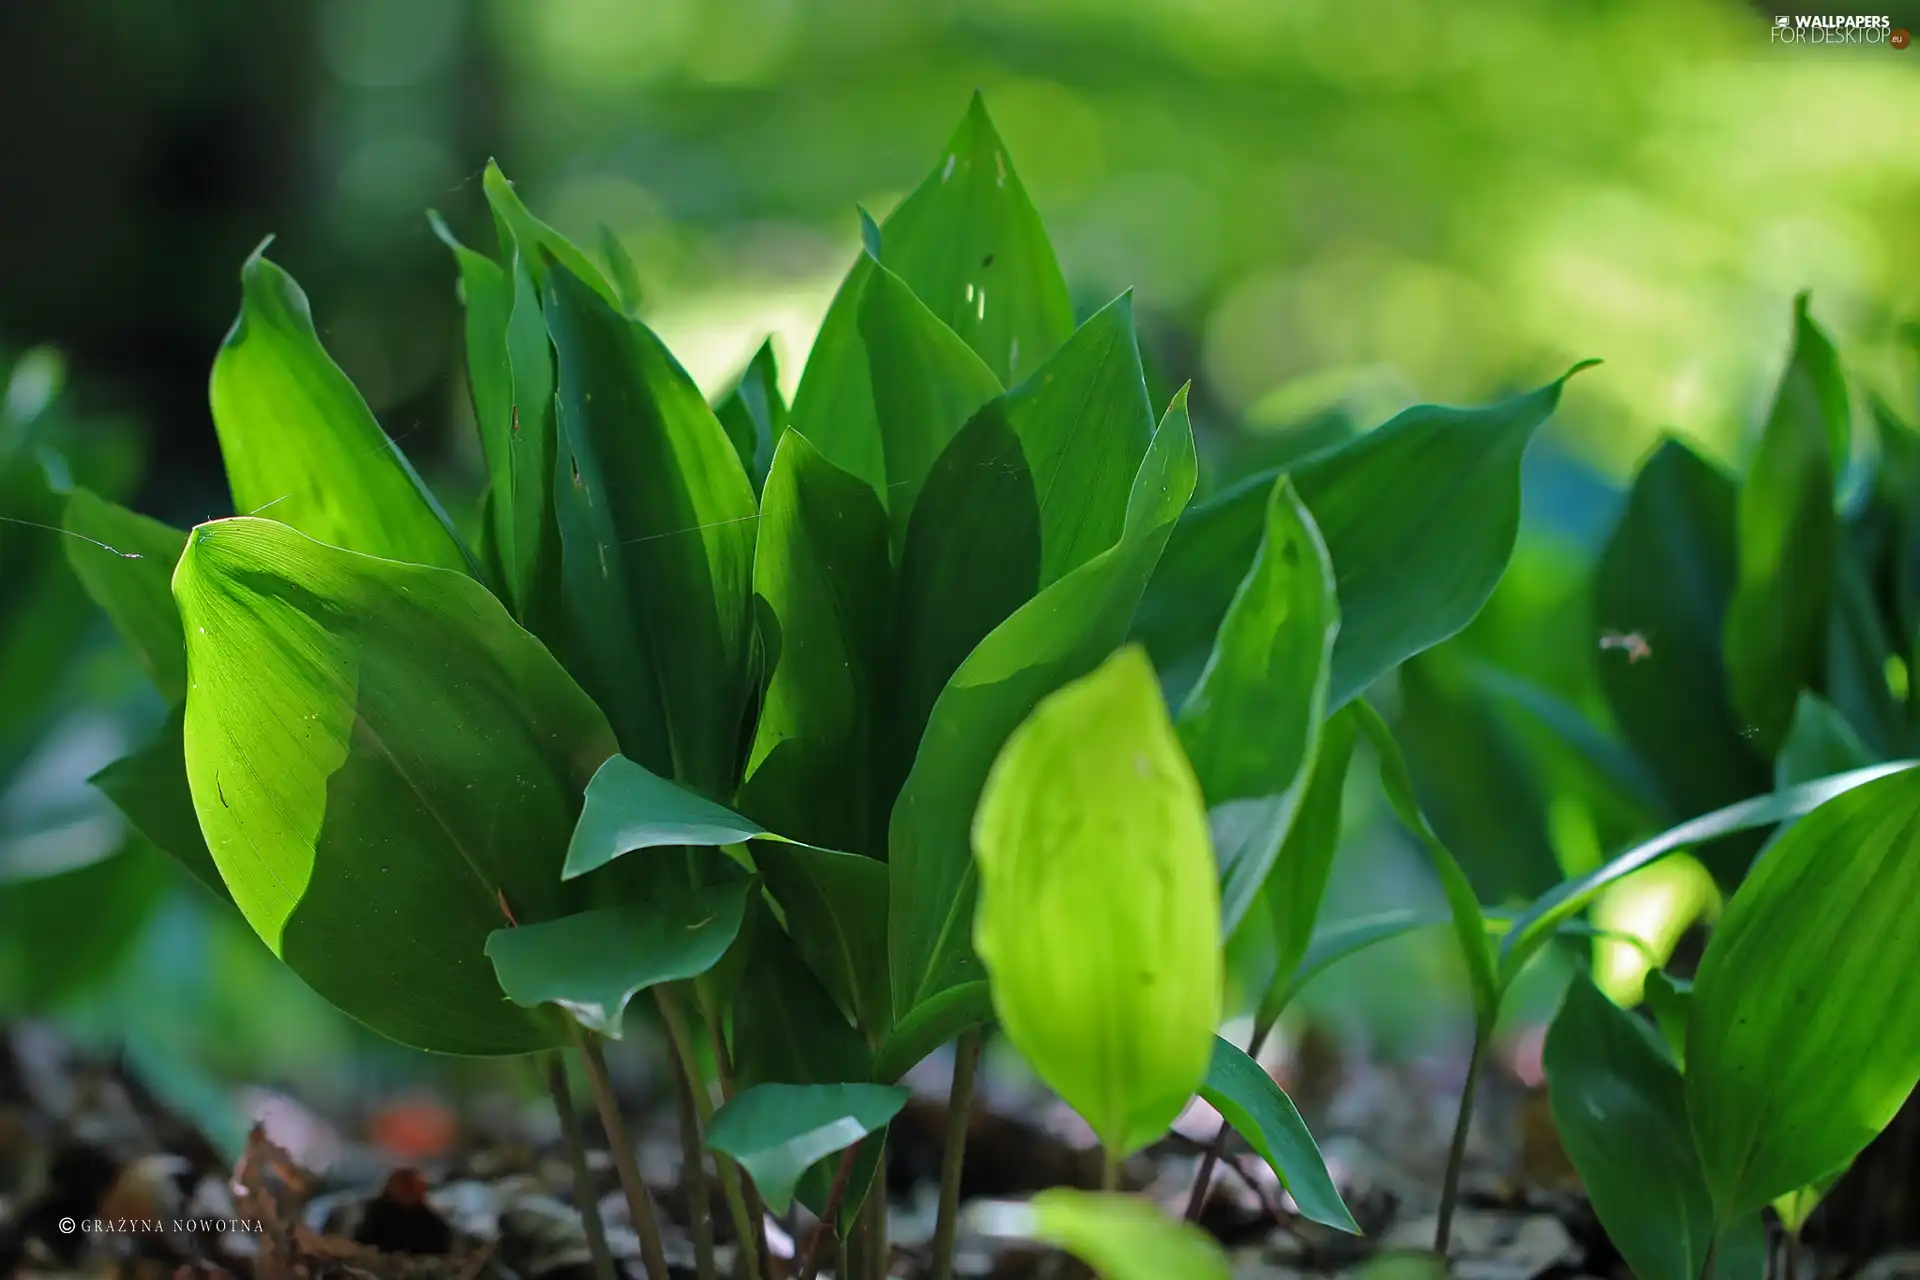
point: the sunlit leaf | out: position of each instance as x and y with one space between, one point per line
386 769
1056 637
1804 1038
593 963
300 445
1260 1111
656 521
539 244
776 1131
1121 1237
1251 725
131 578
1788 535
1099 909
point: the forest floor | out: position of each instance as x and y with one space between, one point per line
431 1195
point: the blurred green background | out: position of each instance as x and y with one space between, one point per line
1327 211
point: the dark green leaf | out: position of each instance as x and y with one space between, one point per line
131 578
1668 999
1602 761
1298 879
150 788
1058 636
1568 898
823 583
656 520
1821 742
386 768
1805 1034
931 1024
970 245
1666 576
301 445
755 414
1776 622
1419 516
592 964
836 908
1620 1108
776 1131
1251 725
1260 1111
629 807
1858 649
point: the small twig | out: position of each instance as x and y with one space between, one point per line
646 1219
1457 1151
555 1070
966 1055
1197 1201
829 1216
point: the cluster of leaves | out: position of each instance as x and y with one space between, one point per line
847 727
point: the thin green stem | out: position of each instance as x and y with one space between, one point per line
1457 1152
693 1171
966 1055
723 1069
1109 1170
554 1068
879 1251
646 1219
675 1017
1202 1180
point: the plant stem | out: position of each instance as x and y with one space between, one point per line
693 1171
1793 1255
879 1252
842 1264
744 1226
554 1067
966 1056
646 1219
1109 1170
1713 1255
1202 1180
829 1216
723 1068
1457 1152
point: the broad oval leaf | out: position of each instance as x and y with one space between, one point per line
777 1131
299 442
823 584
125 561
656 521
1099 909
592 963
386 769
1568 898
970 245
1419 517
1251 725
1804 1038
1058 636
1259 1110
1620 1109
1777 621
1121 1237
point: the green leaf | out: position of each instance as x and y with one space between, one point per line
776 1131
1776 623
1058 636
1469 921
1603 762
1805 1034
1858 648
823 585
1672 707
1821 742
656 520
1342 941
1668 999
1251 725
927 383
1419 517
836 908
754 414
593 963
1620 1108
1796 1207
539 244
970 245
1121 1237
1568 898
1260 1111
1298 879
630 807
150 788
299 442
1099 909
931 1024
385 767
621 273
130 577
